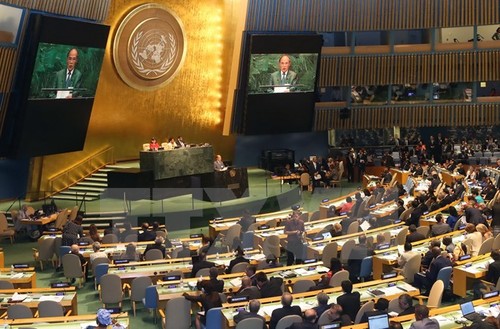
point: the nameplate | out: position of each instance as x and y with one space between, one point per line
389 275
21 265
464 257
196 235
310 260
121 261
60 285
172 278
490 294
238 299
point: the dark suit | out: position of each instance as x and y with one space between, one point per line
75 81
218 285
271 288
282 312
414 237
493 272
291 78
320 309
237 260
350 303
409 310
303 325
252 292
421 281
146 236
155 246
199 265
242 315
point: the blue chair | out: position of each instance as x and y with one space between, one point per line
248 239
445 275
214 318
151 299
366 268
100 270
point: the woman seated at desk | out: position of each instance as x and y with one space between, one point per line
153 145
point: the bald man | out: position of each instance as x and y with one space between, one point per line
285 76
308 322
287 309
69 77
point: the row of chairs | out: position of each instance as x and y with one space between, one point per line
46 308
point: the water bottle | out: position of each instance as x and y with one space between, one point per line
12 270
217 256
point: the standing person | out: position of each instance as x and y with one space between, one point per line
294 227
69 77
72 231
218 164
495 212
351 161
362 161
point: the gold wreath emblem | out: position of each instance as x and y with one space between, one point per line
232 172
166 64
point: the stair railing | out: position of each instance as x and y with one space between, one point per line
80 170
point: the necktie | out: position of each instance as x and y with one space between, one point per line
283 78
68 79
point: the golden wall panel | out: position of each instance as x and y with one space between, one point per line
364 15
191 105
463 66
459 115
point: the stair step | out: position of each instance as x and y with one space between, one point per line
88 193
73 198
94 184
97 179
106 213
78 187
100 175
101 219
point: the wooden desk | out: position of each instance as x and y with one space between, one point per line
337 203
214 228
36 295
20 278
446 316
40 221
401 175
315 248
385 260
465 272
430 218
63 322
307 300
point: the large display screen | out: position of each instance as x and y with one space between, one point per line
282 73
56 81
277 83
65 71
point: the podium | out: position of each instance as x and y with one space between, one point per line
225 185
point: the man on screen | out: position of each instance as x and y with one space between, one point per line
70 77
284 78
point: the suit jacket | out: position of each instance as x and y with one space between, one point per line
252 292
271 288
438 263
493 272
414 236
199 265
237 260
291 78
350 304
440 228
304 325
282 312
242 315
425 324
75 81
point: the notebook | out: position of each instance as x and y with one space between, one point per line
380 321
468 311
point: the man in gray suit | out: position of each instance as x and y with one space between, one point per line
284 77
422 317
70 77
253 309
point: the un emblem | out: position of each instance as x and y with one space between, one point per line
149 47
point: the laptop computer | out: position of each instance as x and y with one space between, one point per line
379 321
469 312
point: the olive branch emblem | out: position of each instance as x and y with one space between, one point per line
166 63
